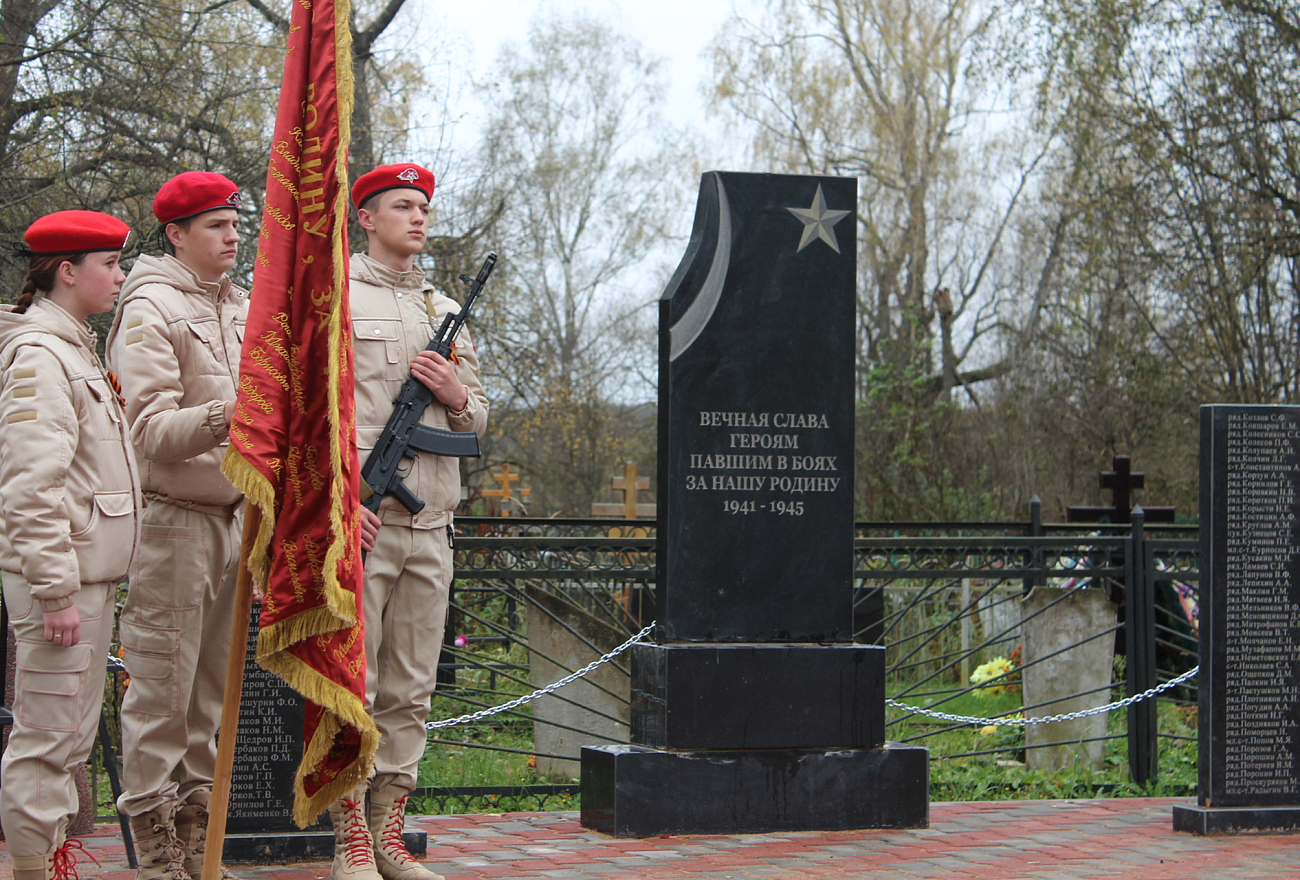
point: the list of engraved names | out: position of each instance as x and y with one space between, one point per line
268 750
1261 623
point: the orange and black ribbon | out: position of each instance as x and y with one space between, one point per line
117 387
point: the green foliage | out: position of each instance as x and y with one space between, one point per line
1000 774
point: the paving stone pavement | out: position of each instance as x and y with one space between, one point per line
994 840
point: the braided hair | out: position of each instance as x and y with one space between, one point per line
41 271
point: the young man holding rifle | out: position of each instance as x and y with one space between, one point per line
395 312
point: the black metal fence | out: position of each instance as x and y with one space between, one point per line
535 599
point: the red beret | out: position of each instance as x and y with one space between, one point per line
75 232
194 192
387 177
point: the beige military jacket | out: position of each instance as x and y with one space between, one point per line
175 345
390 326
71 492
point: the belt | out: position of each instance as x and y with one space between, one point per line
226 511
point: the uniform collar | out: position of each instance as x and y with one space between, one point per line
213 290
62 323
366 268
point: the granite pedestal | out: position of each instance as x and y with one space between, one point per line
631 791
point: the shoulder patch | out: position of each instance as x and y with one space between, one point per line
24 373
25 391
134 338
25 416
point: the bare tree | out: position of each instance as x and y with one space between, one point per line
582 162
100 101
882 90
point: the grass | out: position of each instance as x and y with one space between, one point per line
1002 775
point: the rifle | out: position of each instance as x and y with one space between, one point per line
403 436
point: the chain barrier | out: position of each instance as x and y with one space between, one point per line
942 716
516 703
1049 719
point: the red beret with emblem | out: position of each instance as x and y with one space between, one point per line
192 193
387 177
75 232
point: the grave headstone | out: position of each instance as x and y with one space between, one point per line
1061 660
564 634
755 711
1249 682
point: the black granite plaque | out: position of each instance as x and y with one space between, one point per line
1250 610
268 750
259 822
756 385
775 696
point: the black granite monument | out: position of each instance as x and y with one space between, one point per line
259 820
755 711
1249 762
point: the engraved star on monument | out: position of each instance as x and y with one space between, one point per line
818 222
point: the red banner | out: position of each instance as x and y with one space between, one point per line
292 441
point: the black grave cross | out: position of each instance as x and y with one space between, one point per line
1121 482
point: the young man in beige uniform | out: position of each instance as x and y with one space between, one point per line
408 573
70 525
175 345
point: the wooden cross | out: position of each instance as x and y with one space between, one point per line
505 478
1121 482
629 484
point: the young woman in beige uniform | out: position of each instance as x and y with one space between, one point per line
70 525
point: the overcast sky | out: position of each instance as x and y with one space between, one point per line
454 37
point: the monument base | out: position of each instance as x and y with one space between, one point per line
1195 819
631 791
708 696
299 846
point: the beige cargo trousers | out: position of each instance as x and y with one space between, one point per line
59 693
408 576
175 635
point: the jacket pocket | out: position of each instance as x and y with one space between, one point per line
203 344
377 349
50 691
105 545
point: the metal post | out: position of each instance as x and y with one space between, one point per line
965 632
110 766
1035 531
1140 636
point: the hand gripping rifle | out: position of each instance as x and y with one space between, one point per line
403 436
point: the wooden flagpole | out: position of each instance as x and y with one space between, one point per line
234 692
